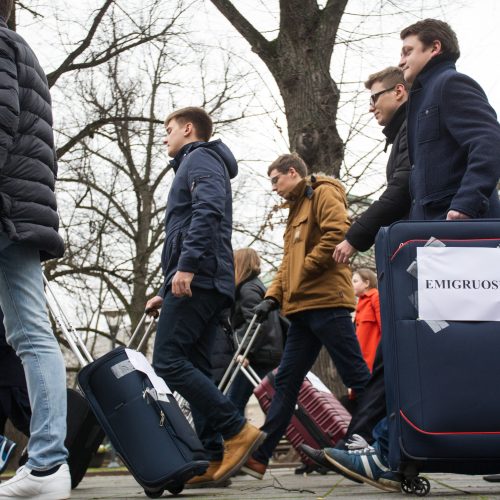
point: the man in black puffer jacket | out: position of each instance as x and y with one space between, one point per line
28 234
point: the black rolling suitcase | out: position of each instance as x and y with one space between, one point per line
84 434
440 298
143 421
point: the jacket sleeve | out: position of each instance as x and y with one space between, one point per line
9 100
330 212
275 291
207 181
250 296
473 124
394 203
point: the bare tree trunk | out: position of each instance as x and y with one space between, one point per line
326 371
299 60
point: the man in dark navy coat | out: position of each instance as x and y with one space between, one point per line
454 150
453 132
198 266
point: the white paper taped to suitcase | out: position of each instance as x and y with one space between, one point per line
140 363
458 283
317 383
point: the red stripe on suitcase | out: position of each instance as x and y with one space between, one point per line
422 431
447 240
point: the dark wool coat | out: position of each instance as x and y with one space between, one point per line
394 203
453 143
28 167
198 219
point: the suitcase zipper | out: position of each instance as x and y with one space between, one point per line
147 396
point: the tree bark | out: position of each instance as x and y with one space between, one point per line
299 60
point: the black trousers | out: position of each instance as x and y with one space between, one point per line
371 407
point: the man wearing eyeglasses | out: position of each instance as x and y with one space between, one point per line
389 93
388 99
313 291
454 150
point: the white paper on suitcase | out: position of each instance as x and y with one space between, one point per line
140 363
458 284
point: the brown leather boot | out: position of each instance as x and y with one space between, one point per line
238 449
254 468
206 479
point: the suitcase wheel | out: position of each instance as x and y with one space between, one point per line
176 488
419 486
154 494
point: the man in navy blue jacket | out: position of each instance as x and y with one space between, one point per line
198 266
454 150
453 132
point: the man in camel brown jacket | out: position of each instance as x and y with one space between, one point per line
314 292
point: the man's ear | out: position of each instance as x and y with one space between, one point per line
188 129
436 48
401 92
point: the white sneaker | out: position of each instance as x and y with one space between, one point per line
57 486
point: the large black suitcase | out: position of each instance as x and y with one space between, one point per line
147 429
84 434
441 375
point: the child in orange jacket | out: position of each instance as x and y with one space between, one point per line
367 319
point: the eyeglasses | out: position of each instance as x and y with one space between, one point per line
374 97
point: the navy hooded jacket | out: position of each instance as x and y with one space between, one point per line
198 220
28 167
454 145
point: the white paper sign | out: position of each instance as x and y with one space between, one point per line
317 383
139 362
458 284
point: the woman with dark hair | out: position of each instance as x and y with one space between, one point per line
265 353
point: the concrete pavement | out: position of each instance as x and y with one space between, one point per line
284 484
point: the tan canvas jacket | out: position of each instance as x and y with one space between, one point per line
308 277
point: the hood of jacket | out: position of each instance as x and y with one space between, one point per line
217 147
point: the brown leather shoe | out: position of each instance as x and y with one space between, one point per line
238 449
254 468
206 478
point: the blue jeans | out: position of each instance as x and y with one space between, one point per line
184 340
308 332
380 434
29 332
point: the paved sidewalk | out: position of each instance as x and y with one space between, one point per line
284 484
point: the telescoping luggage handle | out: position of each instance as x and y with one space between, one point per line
146 333
235 366
74 340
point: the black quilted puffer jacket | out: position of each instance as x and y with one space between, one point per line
28 166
